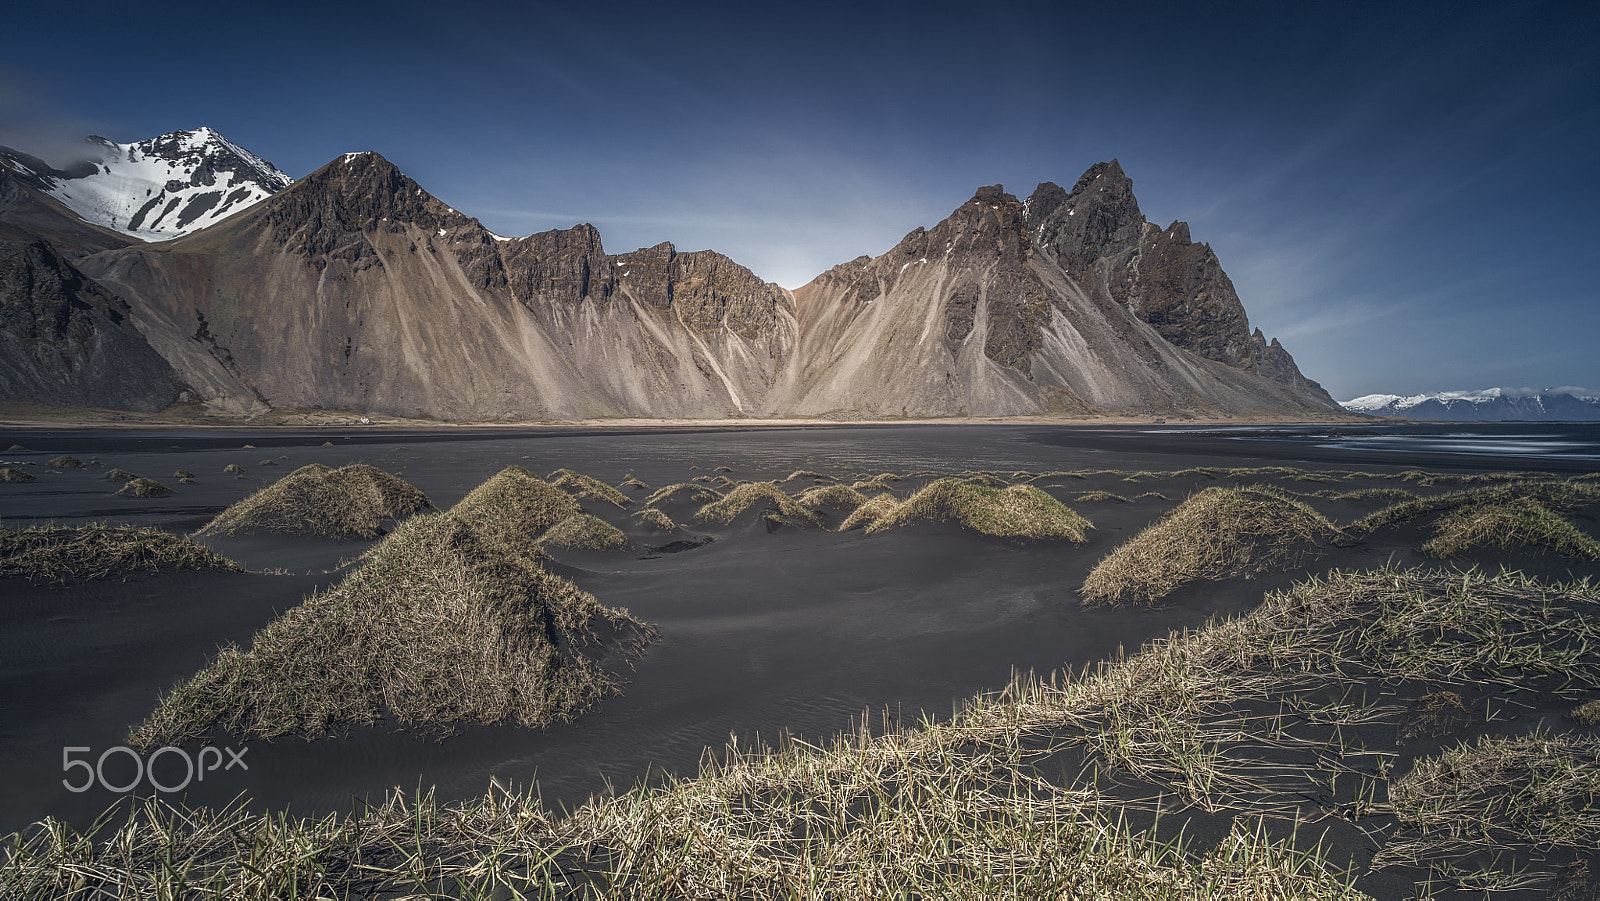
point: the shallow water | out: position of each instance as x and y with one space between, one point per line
796 631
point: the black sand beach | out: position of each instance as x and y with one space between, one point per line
764 632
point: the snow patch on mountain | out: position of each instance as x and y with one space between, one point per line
1566 403
163 188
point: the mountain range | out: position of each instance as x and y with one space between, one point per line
186 268
1489 405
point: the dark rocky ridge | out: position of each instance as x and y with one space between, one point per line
1098 235
354 288
65 341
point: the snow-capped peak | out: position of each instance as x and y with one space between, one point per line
164 187
1564 403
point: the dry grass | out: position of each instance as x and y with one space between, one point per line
1587 714
1233 719
144 488
442 624
874 509
1096 497
807 474
65 463
584 533
1215 534
699 495
59 555
8 474
748 495
349 502
119 475
630 481
655 519
183 474
587 487
831 497
1020 512
1520 522
1565 495
234 468
515 507
1533 790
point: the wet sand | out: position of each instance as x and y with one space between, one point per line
762 633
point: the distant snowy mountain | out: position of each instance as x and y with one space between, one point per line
159 189
1491 405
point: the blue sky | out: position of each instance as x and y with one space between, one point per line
1398 190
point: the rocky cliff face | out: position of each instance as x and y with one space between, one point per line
356 289
65 341
1100 239
1069 302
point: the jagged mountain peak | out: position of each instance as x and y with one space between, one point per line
157 189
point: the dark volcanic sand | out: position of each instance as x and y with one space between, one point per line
793 630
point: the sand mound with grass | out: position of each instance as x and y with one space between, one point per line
749 495
587 487
1098 497
656 519
1215 534
1020 512
831 497
61 555
7 474
349 502
515 507
870 512
144 488
65 463
443 623
699 495
1522 522
119 475
1567 495
584 533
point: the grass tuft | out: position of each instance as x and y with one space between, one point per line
515 507
579 485
747 495
59 555
144 488
583 532
1587 714
349 502
1095 497
1521 522
119 475
656 519
65 463
1020 512
1216 533
831 497
874 509
442 624
8 474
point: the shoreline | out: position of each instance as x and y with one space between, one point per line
32 418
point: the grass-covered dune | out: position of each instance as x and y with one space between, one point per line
353 501
451 618
1019 512
1047 789
61 555
1518 522
1215 534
